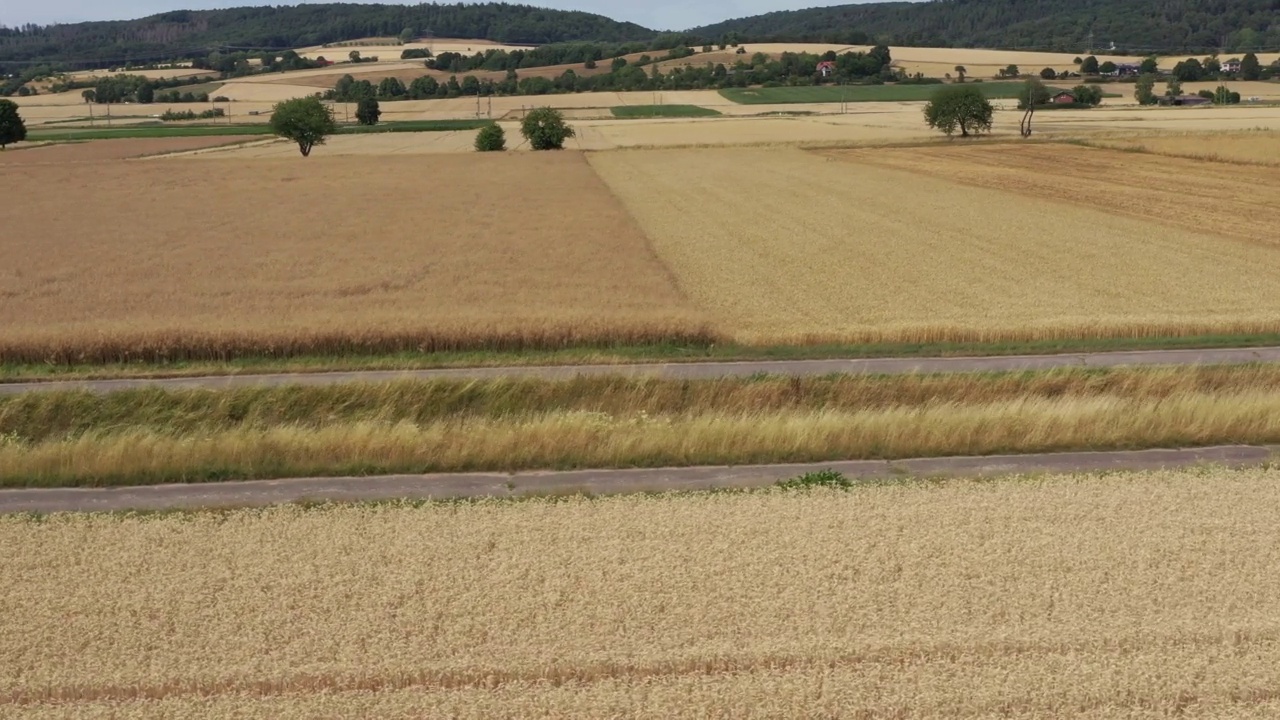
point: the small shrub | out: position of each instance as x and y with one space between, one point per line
821 479
491 139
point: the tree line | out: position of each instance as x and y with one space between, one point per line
640 75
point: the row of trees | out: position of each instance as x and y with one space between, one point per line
788 69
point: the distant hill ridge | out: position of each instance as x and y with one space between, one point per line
165 35
1053 25
1136 26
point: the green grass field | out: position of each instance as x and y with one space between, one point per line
663 111
857 93
157 130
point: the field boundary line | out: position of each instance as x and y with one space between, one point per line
454 486
691 370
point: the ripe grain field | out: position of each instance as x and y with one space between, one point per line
343 255
816 247
1244 148
1138 595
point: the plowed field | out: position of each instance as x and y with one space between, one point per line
1179 194
1139 596
961 242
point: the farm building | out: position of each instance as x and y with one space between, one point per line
826 68
1231 66
1063 98
1128 70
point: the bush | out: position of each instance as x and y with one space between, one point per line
821 479
491 139
545 129
172 115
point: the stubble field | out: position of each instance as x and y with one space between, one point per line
972 242
1137 596
214 259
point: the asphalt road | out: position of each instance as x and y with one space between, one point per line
691 370
597 482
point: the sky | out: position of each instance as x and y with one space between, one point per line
657 14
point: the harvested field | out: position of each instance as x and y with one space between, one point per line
106 150
1160 190
1143 596
330 255
1247 148
153 436
818 248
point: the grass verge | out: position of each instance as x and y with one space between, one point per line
616 355
663 111
154 436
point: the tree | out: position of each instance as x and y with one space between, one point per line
354 56
545 129
1145 90
590 65
1224 96
1011 71
491 138
1174 88
1087 95
12 129
959 108
1032 94
391 87
1107 68
368 111
407 35
89 96
960 73
305 121
1189 70
1212 66
1048 74
1089 66
1250 68
1150 65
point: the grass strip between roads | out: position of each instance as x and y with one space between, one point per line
619 355
154 436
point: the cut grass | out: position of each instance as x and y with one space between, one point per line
857 93
613 355
663 111
156 131
155 436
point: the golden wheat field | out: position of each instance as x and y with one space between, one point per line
1245 148
1139 596
849 245
209 258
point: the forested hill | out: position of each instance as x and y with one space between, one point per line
177 34
1059 25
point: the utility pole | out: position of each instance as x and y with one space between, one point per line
1089 50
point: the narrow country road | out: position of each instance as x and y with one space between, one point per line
689 370
598 482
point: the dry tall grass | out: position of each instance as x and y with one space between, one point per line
1137 596
1247 148
814 248
214 259
578 439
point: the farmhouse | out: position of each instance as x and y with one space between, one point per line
1128 70
1063 98
826 68
1231 66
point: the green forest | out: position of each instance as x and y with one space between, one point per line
1134 26
187 33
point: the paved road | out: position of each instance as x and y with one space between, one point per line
692 370
597 482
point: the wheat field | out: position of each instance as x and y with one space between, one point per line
1243 148
814 247
219 258
1140 596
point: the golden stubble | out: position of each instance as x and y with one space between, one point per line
945 243
1135 595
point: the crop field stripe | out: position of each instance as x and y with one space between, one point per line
1143 594
662 111
820 248
857 93
258 129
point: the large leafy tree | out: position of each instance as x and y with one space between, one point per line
306 121
12 129
368 111
1250 68
545 129
958 107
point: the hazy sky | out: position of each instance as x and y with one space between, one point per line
658 14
